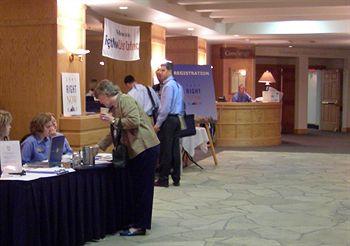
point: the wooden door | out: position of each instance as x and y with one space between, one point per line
330 100
285 82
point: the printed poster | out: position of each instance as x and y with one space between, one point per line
198 85
71 94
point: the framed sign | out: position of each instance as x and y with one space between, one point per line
237 77
71 94
232 53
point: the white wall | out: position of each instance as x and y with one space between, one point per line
314 97
311 98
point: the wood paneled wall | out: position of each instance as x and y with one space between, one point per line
158 47
202 51
217 70
182 50
222 68
185 49
30 76
28 51
93 68
63 63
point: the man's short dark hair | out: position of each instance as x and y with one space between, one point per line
168 65
129 79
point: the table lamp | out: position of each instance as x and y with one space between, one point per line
267 78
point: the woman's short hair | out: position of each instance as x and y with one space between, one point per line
38 122
107 88
5 119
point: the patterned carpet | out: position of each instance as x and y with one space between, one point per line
297 193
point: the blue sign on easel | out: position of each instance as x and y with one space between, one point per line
198 85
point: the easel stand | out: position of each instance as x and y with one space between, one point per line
211 145
187 156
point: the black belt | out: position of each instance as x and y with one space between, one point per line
173 115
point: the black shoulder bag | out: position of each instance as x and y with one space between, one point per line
188 126
120 151
187 123
154 108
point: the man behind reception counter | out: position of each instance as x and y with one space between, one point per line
241 95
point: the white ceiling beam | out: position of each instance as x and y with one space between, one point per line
256 2
289 27
240 19
250 5
296 11
181 12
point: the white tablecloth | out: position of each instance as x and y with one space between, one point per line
200 139
37 173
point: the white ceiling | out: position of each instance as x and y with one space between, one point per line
301 23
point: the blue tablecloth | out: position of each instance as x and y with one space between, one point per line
69 209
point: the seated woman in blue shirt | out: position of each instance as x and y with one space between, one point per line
36 146
53 132
241 95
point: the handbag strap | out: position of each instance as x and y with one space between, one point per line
150 96
116 132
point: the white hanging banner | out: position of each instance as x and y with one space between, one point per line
71 94
121 42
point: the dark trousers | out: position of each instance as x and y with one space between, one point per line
141 169
169 150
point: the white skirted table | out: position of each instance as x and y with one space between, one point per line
189 144
199 140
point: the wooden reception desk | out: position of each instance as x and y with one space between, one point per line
248 124
83 130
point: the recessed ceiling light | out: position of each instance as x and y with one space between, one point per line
236 35
290 46
190 28
123 7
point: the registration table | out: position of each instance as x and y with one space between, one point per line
67 209
248 124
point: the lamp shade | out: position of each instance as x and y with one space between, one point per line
267 78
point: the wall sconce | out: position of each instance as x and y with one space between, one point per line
78 53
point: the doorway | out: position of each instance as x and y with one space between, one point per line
285 82
325 99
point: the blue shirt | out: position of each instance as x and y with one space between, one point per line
140 94
171 101
33 149
238 97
